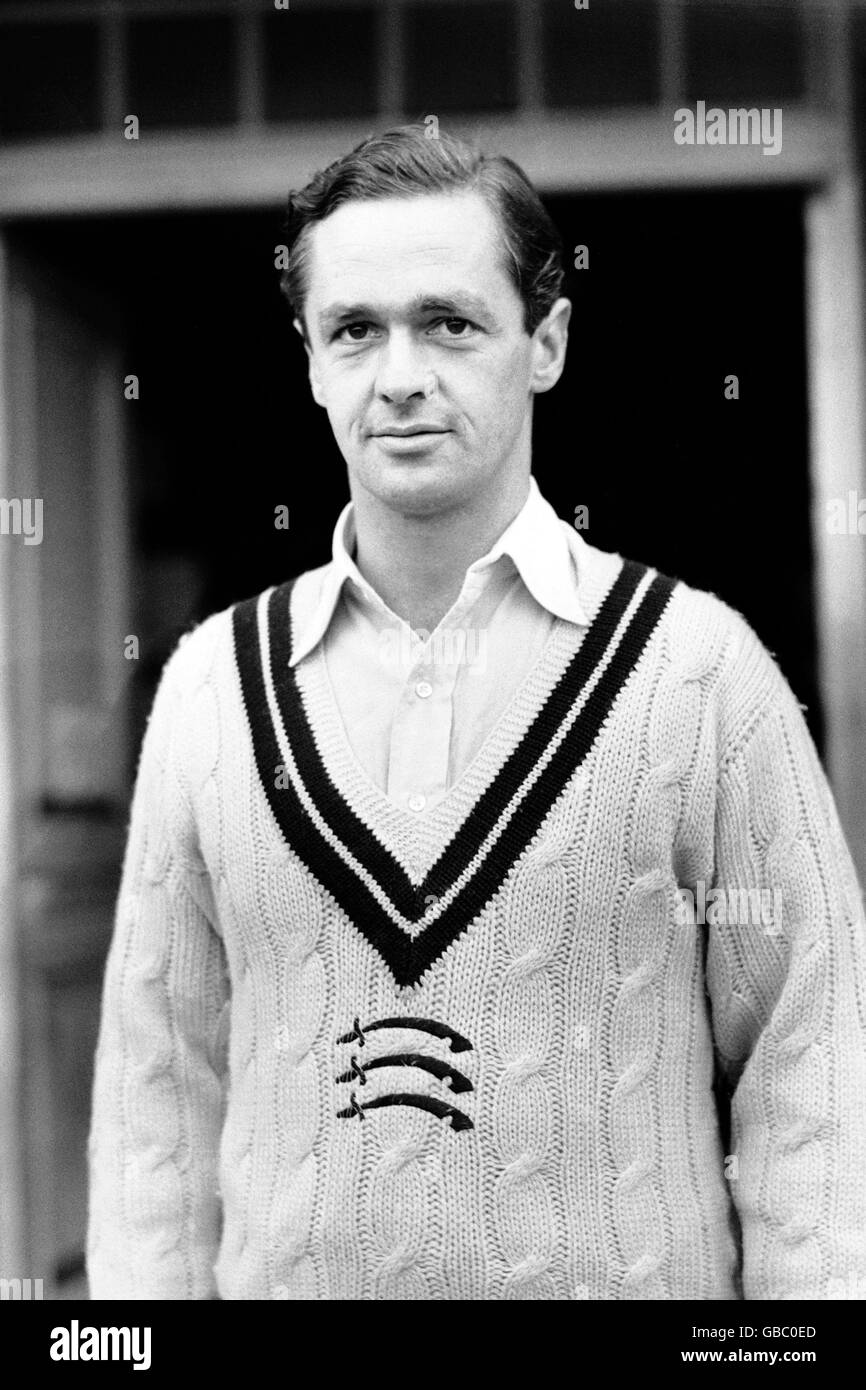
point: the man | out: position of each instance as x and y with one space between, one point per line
467 871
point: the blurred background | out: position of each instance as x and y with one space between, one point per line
153 394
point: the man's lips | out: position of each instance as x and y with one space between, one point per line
406 431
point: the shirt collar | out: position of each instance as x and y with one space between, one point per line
547 555
540 546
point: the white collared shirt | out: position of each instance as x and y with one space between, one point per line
417 711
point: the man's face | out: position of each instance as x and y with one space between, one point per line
418 351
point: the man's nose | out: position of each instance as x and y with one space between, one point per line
403 372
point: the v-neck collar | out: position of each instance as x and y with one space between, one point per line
411 920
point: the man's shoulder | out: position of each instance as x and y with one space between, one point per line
698 624
702 637
703 621
198 648
708 641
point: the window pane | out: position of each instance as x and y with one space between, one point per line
743 52
607 55
461 59
49 79
181 71
319 66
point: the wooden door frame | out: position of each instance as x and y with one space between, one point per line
12 1237
58 872
837 390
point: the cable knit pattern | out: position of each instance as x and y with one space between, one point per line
530 1115
528 1018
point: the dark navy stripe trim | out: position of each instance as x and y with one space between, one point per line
348 827
408 959
523 827
298 829
331 805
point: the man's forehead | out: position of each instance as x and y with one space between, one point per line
372 240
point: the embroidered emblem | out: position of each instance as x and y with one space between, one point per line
436 1107
433 1066
423 1025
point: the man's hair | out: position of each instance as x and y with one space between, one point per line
405 163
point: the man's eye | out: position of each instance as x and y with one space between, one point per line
353 332
455 327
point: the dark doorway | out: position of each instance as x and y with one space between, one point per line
682 291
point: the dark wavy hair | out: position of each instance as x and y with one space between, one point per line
406 162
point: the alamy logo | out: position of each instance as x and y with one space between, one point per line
456 646
730 907
75 1343
21 1289
739 126
847 520
850 1286
22 516
356 1073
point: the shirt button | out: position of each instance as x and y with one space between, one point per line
417 802
423 689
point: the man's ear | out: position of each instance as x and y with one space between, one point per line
549 342
315 383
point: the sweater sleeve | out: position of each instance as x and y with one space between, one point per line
154 1214
786 976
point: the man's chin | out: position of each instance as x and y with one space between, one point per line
417 487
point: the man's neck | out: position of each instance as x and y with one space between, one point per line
417 565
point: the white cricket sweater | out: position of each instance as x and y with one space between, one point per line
351 1053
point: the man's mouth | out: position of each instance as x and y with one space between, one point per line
406 431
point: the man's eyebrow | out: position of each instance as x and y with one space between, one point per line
455 302
460 303
343 313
